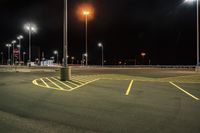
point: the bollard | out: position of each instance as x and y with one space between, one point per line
65 73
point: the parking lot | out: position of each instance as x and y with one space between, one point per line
101 100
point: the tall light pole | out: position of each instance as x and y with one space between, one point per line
102 55
65 73
197 6
9 46
56 53
20 37
13 53
2 58
31 28
86 13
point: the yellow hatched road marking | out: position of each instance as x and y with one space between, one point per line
78 82
83 85
72 83
82 79
62 83
35 82
189 94
55 84
129 88
44 83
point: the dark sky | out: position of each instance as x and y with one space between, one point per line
165 30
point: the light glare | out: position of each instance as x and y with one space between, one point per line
189 1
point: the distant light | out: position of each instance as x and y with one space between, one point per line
85 9
86 13
8 45
143 54
20 37
19 46
14 41
73 58
55 52
100 44
24 52
30 26
85 55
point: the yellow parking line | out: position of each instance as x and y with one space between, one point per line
129 88
62 83
55 84
35 82
72 83
84 79
77 82
184 91
44 83
82 82
83 85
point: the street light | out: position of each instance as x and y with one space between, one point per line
13 55
20 37
9 46
143 54
31 28
56 53
197 4
86 14
102 58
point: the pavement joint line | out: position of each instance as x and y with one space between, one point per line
83 85
129 88
62 83
44 83
55 84
189 94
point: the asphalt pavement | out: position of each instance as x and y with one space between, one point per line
100 101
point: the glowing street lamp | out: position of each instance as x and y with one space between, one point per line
143 54
56 53
102 58
20 37
31 28
197 4
9 46
86 14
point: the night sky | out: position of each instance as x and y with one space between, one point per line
164 29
